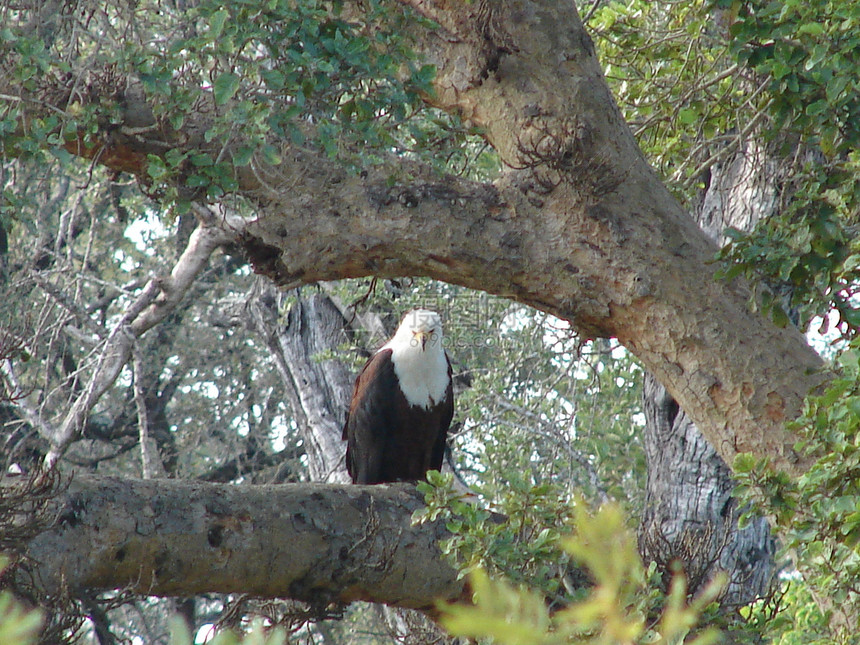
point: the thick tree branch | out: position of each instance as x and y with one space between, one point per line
311 542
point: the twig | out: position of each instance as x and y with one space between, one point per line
150 463
725 151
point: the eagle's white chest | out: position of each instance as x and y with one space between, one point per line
423 375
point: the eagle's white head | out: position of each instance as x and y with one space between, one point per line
419 357
420 329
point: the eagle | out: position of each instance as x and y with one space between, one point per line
401 406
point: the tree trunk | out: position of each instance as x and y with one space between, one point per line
312 542
690 515
318 387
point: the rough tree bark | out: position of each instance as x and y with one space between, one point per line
313 542
690 515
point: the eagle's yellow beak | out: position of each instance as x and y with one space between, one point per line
422 337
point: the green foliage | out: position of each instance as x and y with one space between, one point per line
810 53
808 57
274 65
619 608
810 247
792 617
668 68
276 71
532 584
819 512
520 541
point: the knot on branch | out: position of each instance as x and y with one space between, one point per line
265 259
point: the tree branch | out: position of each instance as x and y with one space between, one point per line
150 461
312 542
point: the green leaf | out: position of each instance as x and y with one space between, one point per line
744 463
242 157
819 53
836 85
197 180
688 115
216 23
225 87
201 159
780 70
852 317
424 77
274 78
156 167
811 28
778 316
271 155
507 615
816 107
